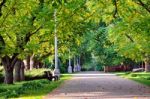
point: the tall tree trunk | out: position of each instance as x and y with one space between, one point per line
8 79
22 76
17 68
147 65
41 65
8 64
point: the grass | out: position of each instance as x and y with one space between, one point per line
39 94
141 77
34 89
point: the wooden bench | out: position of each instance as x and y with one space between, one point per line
50 76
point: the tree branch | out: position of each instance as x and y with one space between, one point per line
36 30
44 56
143 5
129 37
116 9
14 59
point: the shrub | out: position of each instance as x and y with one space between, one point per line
63 69
11 94
32 85
83 69
24 88
133 75
147 78
127 73
45 81
2 90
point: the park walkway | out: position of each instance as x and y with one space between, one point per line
98 85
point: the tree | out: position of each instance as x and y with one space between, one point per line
131 32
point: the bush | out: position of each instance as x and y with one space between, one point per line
147 78
45 81
2 90
24 88
127 73
31 85
83 69
133 75
63 69
11 94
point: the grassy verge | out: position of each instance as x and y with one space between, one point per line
46 88
141 77
34 89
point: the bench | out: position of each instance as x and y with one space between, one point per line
138 70
50 76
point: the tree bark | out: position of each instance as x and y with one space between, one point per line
17 68
8 69
8 76
22 76
147 65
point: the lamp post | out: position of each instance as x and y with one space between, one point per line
56 70
69 67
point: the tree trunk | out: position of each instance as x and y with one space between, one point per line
31 62
8 64
22 76
41 65
147 65
8 76
17 68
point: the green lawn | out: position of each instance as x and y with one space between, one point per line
41 92
34 89
141 77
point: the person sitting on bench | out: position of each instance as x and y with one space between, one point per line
50 76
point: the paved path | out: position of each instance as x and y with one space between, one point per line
96 85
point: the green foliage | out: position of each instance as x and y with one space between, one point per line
34 85
2 90
130 35
63 69
141 77
133 75
30 89
35 72
147 78
107 31
31 85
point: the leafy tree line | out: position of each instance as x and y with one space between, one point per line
119 28
122 33
27 31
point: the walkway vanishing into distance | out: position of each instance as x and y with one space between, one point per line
98 85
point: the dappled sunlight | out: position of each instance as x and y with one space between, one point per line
41 39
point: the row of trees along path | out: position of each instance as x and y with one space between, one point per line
119 31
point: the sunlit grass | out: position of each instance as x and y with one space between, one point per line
36 93
39 94
141 77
